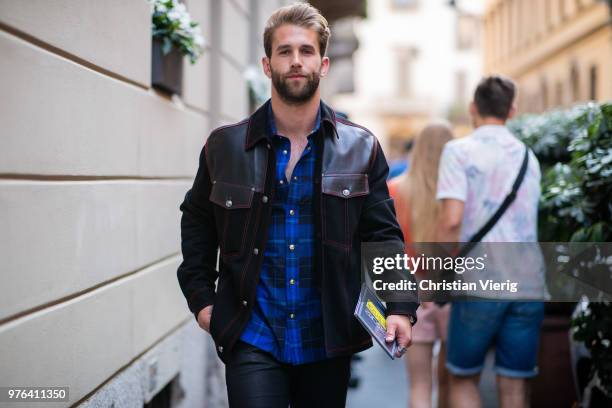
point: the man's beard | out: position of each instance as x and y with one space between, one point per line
292 95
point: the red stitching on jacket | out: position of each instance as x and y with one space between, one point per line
349 123
229 126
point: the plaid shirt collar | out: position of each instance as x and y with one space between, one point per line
258 128
273 131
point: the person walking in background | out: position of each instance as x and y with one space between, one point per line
476 175
414 195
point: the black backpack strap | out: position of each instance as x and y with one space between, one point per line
500 211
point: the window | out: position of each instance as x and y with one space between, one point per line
544 94
405 59
461 87
593 83
575 83
559 94
561 10
467 32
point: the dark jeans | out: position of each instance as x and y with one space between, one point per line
256 379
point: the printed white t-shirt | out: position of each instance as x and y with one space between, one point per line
480 170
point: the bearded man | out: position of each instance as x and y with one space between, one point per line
288 196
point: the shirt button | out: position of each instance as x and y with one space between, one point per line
284 152
255 251
281 182
295 177
291 316
264 199
220 348
244 303
291 212
228 203
346 192
291 247
292 281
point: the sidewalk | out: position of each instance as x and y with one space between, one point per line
385 382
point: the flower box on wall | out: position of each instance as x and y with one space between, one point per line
166 70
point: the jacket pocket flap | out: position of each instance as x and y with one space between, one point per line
345 185
231 196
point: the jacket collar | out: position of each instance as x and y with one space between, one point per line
258 127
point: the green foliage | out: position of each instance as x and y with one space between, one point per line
550 134
594 328
173 25
574 148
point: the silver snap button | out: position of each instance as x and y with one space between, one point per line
252 188
292 316
228 203
281 182
264 199
292 281
291 212
220 348
284 152
268 146
295 177
255 251
291 247
346 192
244 303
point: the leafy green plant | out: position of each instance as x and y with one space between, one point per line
174 27
593 327
550 134
575 151
574 148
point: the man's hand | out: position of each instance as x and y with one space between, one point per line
399 327
204 318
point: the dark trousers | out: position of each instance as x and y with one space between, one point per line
256 379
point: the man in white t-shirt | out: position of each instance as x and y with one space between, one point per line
476 174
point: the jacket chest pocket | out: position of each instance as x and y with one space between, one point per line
233 212
341 201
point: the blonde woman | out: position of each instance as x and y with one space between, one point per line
414 194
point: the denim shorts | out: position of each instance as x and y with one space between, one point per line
512 327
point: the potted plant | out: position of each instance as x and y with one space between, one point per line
574 148
174 35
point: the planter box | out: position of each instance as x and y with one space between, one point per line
554 386
166 70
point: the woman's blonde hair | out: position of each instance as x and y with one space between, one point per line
418 185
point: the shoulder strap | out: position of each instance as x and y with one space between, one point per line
501 210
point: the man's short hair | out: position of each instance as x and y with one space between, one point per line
494 96
299 14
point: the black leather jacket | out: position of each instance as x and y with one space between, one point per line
228 208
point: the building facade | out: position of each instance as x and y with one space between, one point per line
558 51
416 60
93 166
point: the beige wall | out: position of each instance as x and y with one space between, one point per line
549 48
93 166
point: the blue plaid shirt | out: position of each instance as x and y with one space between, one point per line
287 319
